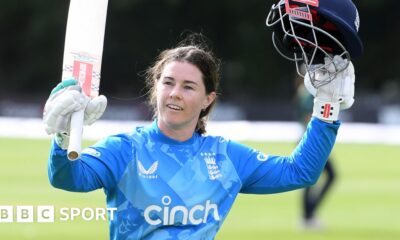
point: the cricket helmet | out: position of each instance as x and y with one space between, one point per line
309 32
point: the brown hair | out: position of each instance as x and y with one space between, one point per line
199 56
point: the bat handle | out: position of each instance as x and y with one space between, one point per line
75 140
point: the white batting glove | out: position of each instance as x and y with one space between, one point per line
65 99
95 109
335 95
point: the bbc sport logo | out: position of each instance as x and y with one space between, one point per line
49 214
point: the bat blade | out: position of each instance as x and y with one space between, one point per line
83 50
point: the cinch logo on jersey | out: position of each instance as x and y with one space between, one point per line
195 215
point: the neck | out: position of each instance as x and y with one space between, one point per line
176 133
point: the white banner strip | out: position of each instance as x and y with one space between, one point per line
235 130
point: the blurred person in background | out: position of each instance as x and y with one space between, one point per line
312 196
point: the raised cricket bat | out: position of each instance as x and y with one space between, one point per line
83 51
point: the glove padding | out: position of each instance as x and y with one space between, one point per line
65 99
336 95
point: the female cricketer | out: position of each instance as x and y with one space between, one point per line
170 180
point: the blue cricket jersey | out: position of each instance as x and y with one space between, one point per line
165 189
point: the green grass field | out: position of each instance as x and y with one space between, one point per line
363 204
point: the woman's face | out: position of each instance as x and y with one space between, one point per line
181 95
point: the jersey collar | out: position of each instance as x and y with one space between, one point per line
156 133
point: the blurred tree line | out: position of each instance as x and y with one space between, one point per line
32 39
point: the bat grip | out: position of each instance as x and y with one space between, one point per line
75 140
